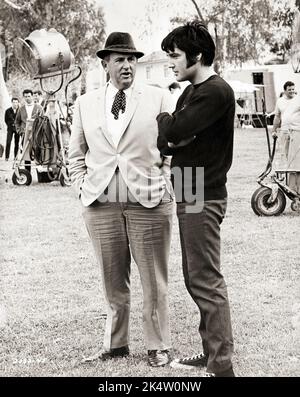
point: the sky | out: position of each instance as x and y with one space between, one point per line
129 16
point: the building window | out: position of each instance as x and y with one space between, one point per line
148 72
166 71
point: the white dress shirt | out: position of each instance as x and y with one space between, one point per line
29 110
115 127
117 188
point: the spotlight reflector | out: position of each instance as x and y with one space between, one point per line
44 53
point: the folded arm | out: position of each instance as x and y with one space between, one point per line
203 110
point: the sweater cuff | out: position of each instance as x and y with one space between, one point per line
162 115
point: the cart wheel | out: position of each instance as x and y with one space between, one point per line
64 179
25 178
295 205
260 205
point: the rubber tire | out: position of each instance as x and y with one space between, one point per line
63 181
294 206
25 180
260 206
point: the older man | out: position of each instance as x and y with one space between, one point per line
122 183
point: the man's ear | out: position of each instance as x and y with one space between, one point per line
198 57
104 65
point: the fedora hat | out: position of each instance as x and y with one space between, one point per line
119 42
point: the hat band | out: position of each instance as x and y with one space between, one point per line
123 46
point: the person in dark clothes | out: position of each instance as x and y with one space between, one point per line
10 115
199 134
26 113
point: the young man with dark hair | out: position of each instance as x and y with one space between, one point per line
38 97
10 115
286 109
27 112
282 104
199 134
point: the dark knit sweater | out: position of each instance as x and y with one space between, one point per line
204 111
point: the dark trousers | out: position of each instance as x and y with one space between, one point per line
10 135
200 245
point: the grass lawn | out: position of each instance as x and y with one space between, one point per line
52 307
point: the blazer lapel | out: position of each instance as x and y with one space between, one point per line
134 100
100 114
25 116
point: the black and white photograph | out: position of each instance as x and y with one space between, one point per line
150 191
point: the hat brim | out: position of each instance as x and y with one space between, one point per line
102 53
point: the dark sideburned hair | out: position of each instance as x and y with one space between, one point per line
193 38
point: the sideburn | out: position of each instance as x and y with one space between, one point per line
191 61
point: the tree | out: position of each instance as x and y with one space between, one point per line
80 21
282 29
4 103
243 30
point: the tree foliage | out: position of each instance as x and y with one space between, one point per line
80 21
243 30
280 40
247 30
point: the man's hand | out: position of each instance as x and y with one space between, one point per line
274 134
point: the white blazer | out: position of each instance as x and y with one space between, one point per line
93 157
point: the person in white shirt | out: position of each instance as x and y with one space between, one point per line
10 115
122 183
282 104
26 114
290 136
285 111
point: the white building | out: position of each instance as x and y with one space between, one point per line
154 69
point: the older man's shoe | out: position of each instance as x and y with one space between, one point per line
158 358
117 352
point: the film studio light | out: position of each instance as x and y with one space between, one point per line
44 53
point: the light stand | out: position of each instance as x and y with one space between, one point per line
50 108
45 54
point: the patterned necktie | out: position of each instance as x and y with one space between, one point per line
119 104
